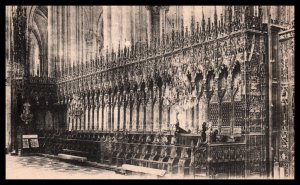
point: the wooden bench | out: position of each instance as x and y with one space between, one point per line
72 158
140 169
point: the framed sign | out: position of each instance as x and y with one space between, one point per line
25 143
237 130
30 141
225 130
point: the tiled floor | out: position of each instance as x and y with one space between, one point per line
36 167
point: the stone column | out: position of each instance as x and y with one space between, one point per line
187 15
205 109
162 24
59 40
8 65
50 37
69 118
156 110
201 112
109 113
133 24
95 125
106 113
116 116
116 26
81 35
68 38
112 112
196 116
121 116
126 28
107 27
134 115
91 125
73 27
82 120
165 115
63 41
127 113
192 118
141 124
149 25
79 120
148 111
187 119
77 36
138 24
172 115
86 124
100 113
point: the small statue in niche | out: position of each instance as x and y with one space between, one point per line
184 153
173 153
156 139
164 140
141 139
103 138
173 140
148 139
209 132
114 139
133 139
108 138
153 152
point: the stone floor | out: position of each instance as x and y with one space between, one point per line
37 167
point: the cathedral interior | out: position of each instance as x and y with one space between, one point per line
191 90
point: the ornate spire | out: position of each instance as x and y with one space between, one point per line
203 21
216 22
182 28
192 24
106 55
173 32
125 49
163 34
119 50
208 25
186 32
132 45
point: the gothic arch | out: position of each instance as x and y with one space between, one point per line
38 29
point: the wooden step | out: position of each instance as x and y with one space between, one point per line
200 175
75 152
141 169
72 157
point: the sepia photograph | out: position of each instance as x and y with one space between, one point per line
149 92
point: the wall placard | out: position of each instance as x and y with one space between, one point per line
30 141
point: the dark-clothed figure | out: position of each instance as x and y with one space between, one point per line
203 133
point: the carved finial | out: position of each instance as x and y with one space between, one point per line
186 31
216 22
119 50
192 25
163 33
203 21
182 28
